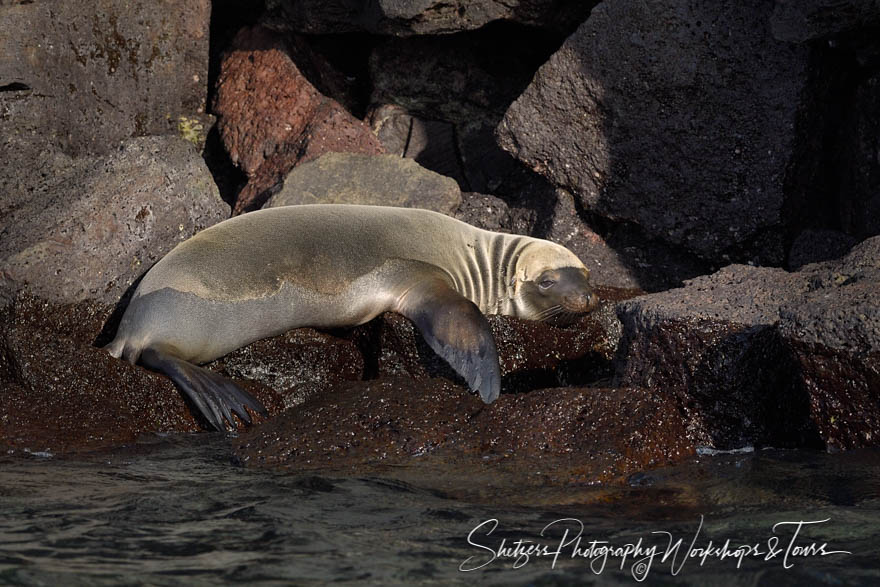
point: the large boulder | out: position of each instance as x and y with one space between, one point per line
93 224
271 118
681 117
62 394
832 333
564 436
83 76
760 355
408 17
378 180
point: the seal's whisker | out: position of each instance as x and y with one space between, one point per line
549 313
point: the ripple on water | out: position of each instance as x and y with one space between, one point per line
178 511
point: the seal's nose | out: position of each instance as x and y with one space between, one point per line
592 302
582 302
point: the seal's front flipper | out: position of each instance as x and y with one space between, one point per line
457 331
215 396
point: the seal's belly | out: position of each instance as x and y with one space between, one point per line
200 330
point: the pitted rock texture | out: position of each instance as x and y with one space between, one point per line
80 77
271 118
298 363
759 355
408 17
93 225
584 434
378 180
654 113
60 394
833 333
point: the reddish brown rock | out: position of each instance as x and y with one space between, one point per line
271 118
61 394
533 355
586 435
297 364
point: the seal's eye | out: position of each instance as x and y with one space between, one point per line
546 283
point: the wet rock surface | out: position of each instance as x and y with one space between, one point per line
271 118
94 224
300 363
60 394
378 180
63 393
760 355
586 434
832 333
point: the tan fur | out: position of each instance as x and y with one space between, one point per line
265 272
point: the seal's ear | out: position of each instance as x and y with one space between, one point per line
457 331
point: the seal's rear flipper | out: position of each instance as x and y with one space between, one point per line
457 331
215 396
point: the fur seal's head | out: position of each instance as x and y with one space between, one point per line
552 283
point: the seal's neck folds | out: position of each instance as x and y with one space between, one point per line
486 272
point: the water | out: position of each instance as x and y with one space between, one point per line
178 511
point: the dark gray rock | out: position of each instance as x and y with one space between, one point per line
758 355
83 76
712 344
91 226
859 158
806 20
814 246
378 180
680 117
466 80
839 309
408 17
833 334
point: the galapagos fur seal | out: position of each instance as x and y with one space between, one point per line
263 273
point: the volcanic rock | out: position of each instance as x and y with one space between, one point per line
406 17
680 117
379 180
80 77
271 118
92 225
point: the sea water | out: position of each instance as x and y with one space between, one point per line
179 511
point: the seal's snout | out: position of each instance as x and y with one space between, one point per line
592 301
581 302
